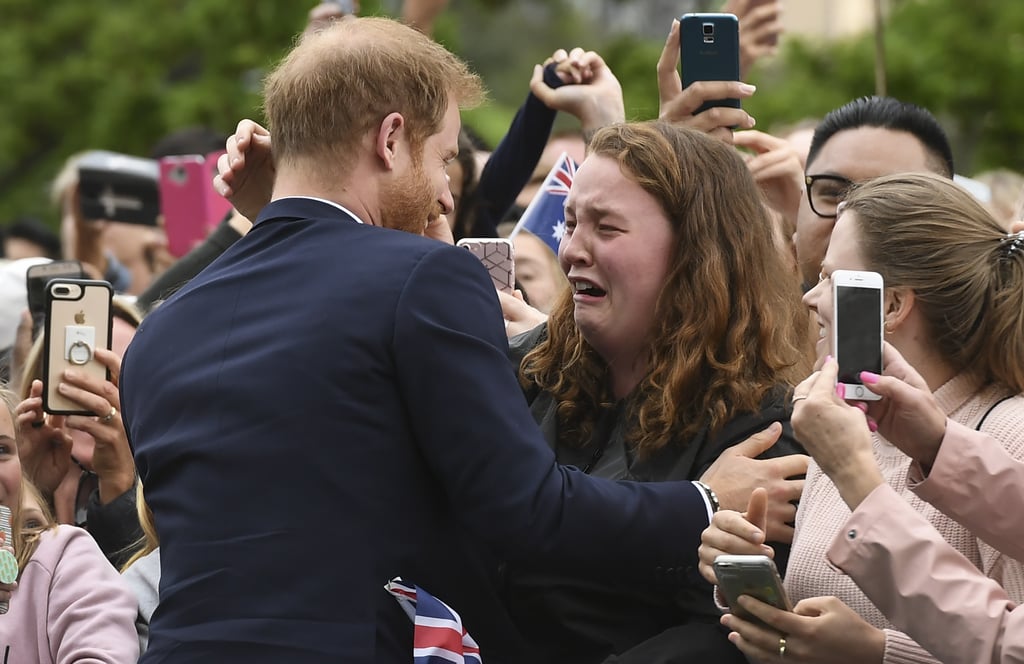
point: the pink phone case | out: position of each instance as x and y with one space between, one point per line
497 255
191 206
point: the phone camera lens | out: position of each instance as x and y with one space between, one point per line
62 290
709 28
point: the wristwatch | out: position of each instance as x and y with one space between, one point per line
711 495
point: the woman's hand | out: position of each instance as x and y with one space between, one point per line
519 316
735 533
112 459
819 630
44 444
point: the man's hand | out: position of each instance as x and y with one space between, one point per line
736 473
245 173
679 105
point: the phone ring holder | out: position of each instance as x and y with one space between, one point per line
79 353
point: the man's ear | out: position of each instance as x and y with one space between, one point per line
390 136
899 302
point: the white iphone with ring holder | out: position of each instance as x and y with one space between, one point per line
77 323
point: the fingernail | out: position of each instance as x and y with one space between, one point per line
70 374
828 358
869 377
747 88
841 390
62 387
872 426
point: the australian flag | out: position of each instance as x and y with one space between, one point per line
438 634
545 216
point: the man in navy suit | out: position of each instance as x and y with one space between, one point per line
329 405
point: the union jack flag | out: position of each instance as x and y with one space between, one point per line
438 634
545 216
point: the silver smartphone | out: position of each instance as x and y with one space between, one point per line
857 329
754 576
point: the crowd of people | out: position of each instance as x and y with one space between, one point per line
326 396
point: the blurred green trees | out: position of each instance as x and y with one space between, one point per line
119 75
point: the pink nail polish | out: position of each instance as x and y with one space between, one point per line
841 390
869 377
872 426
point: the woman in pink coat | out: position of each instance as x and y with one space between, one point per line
68 604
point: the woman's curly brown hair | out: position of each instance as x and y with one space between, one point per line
729 325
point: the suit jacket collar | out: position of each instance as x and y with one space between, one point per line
302 207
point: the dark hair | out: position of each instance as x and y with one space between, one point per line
35 231
189 140
888 113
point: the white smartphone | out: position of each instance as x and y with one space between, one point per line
497 255
754 576
857 329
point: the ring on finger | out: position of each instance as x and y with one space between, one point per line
782 641
106 419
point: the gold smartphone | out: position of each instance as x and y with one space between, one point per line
77 323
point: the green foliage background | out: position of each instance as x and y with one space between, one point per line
80 74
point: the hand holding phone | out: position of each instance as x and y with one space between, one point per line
709 49
857 329
77 322
754 576
497 255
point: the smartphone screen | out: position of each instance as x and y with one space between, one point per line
857 327
709 50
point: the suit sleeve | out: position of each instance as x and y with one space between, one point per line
924 586
978 483
476 434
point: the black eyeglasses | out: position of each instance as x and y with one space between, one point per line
826 192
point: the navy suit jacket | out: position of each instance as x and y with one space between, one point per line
330 405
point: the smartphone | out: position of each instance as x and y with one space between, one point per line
497 255
118 187
190 206
8 563
709 49
755 576
857 329
77 322
36 278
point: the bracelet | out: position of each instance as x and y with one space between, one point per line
710 493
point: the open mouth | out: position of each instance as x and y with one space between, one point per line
582 287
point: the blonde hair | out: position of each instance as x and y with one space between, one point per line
339 83
925 233
149 541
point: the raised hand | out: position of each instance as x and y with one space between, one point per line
519 316
679 105
591 92
245 173
776 168
44 444
760 27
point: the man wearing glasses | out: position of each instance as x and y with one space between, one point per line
866 138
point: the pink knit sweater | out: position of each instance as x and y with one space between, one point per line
822 512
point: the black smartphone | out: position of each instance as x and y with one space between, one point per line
709 50
36 278
119 187
77 323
